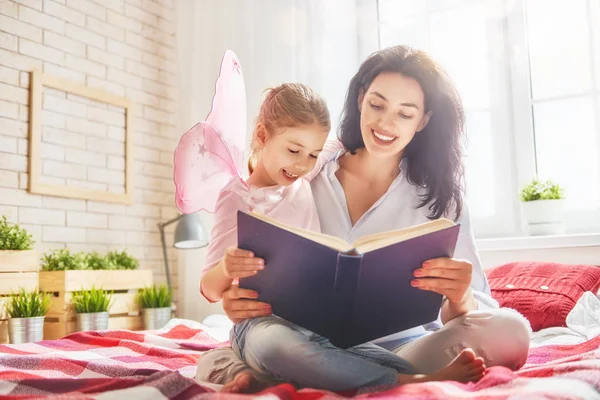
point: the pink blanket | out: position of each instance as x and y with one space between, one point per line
121 364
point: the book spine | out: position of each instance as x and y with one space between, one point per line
345 287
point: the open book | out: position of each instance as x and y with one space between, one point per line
350 293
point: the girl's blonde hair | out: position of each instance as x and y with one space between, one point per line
289 105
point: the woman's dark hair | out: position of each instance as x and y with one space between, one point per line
434 156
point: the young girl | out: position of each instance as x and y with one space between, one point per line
291 129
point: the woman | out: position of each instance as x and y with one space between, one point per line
402 127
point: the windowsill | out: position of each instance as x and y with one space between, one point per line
538 242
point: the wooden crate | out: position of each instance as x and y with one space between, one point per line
57 330
3 331
19 260
18 270
125 313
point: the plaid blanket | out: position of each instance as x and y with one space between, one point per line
161 364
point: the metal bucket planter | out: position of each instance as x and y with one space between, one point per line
92 321
155 318
25 330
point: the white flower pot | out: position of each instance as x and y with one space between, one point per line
545 217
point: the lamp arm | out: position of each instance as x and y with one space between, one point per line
161 228
162 225
166 258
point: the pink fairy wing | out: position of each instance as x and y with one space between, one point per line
210 153
228 114
200 172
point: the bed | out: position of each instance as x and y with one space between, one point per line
563 363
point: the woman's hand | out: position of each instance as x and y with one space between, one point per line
238 305
450 278
446 276
238 263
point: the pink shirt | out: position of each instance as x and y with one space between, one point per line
293 205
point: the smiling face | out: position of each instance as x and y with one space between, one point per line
392 111
291 152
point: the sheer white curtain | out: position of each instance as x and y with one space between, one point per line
327 56
314 42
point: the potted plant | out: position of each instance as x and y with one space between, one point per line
63 259
96 261
543 206
155 302
16 248
26 311
65 272
122 260
91 307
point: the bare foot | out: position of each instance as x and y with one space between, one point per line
244 382
466 367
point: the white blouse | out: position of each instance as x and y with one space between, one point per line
396 209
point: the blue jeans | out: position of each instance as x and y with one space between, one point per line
275 347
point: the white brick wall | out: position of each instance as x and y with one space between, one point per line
126 47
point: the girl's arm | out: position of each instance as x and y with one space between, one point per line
223 235
214 282
236 263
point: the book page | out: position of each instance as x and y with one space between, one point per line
326 240
380 240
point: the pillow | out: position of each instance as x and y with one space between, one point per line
543 292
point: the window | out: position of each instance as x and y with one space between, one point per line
565 98
531 94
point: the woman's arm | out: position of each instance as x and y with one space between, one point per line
451 310
452 279
238 304
330 149
461 304
460 279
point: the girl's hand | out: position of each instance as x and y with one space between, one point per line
446 276
238 263
238 307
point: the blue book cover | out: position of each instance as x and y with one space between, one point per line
350 293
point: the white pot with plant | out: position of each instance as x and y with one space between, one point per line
91 307
26 311
155 302
544 207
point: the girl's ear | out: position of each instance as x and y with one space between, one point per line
261 135
361 97
424 121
